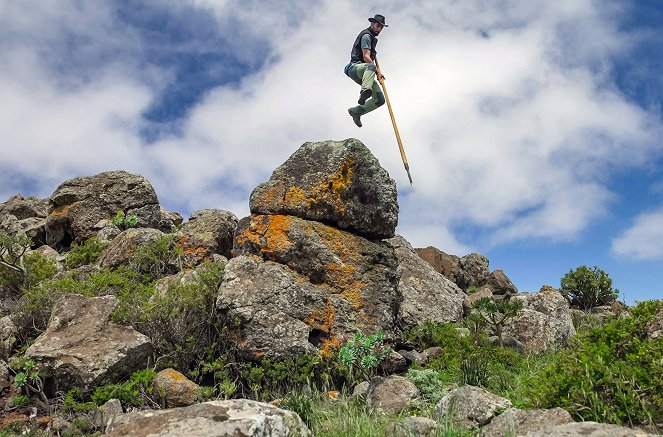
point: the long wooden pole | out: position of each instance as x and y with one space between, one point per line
393 121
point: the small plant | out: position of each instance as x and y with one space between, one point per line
29 380
134 392
472 289
158 258
429 384
74 402
588 288
474 371
497 313
12 255
85 253
363 354
19 400
123 221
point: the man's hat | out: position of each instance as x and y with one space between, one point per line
378 19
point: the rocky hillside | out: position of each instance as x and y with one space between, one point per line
123 314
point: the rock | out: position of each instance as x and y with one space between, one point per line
345 282
361 389
78 204
394 363
5 381
49 253
238 417
339 183
414 357
432 352
107 231
544 323
471 299
208 231
27 216
173 389
507 341
82 348
102 415
447 265
615 309
515 422
474 271
500 283
469 407
588 429
426 294
654 329
412 427
8 334
125 245
392 394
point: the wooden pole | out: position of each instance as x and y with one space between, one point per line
393 121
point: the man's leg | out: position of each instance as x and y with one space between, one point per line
364 75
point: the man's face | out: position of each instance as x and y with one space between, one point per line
376 27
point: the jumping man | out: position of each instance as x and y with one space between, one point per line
362 69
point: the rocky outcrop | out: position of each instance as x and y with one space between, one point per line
544 323
515 422
207 232
78 206
654 329
426 294
19 215
392 394
82 348
125 245
240 417
469 407
588 429
8 335
339 183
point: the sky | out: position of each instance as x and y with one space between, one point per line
533 129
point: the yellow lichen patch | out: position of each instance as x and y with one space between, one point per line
173 375
333 189
330 346
322 318
295 196
61 210
267 233
192 253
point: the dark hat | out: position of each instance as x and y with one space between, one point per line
378 19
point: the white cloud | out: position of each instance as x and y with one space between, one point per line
644 239
517 133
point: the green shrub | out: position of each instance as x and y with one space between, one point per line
497 313
267 378
35 269
158 258
74 402
85 253
610 374
134 392
123 221
19 400
474 371
428 381
588 288
362 355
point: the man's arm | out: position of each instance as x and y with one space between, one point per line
368 60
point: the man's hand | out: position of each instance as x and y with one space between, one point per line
380 77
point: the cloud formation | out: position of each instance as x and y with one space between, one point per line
510 116
644 239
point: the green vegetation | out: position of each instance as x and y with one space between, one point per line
588 287
362 355
497 313
135 392
85 253
123 221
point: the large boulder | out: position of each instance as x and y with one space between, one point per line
125 245
474 271
426 294
442 262
588 429
78 205
516 422
19 215
82 348
391 395
207 232
500 284
172 389
335 182
238 417
469 407
544 323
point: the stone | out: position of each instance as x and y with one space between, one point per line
237 417
475 271
515 422
361 389
432 352
500 283
207 232
82 348
588 429
413 357
5 381
172 389
25 216
507 341
392 394
447 265
471 299
469 407
654 329
339 183
78 204
394 363
8 337
426 294
125 245
412 426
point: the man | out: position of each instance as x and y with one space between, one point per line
362 69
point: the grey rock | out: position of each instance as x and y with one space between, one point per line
208 231
500 283
238 417
19 215
23 208
82 348
471 299
412 427
432 352
654 329
469 407
414 357
8 334
507 341
361 389
515 422
394 363
78 204
336 182
5 381
172 389
474 271
125 245
588 429
426 294
392 394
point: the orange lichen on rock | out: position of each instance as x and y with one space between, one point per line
62 210
333 190
267 232
322 318
330 346
192 253
173 375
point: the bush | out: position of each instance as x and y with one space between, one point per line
85 253
588 288
610 374
428 381
158 258
497 313
362 355
135 392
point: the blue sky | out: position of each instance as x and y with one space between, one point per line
534 130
